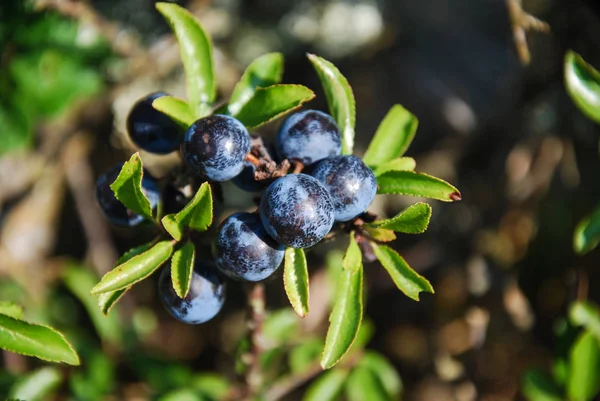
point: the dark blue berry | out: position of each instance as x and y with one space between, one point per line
204 299
215 147
115 211
308 136
350 182
244 251
173 200
245 180
297 211
152 130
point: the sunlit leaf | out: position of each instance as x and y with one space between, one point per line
412 220
584 363
380 234
128 187
416 184
587 315
197 214
583 84
353 257
384 371
182 266
11 309
326 387
362 384
399 164
175 108
37 385
587 233
295 280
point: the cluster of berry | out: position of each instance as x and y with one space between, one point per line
296 210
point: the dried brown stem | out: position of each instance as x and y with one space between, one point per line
254 160
256 302
522 22
298 167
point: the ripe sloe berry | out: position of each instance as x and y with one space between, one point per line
244 251
204 299
297 211
152 130
173 200
350 182
215 147
308 136
115 211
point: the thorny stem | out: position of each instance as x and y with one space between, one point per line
256 302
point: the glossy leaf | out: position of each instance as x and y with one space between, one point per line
35 340
37 385
295 280
11 309
182 266
196 51
584 362
128 187
380 234
406 279
197 214
586 315
583 85
135 269
272 102
175 108
416 184
393 136
384 371
353 257
326 387
412 220
340 99
587 233
362 384
80 282
305 355
264 71
399 164
538 386
345 318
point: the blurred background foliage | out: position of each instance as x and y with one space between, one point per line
501 261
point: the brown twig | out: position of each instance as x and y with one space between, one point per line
256 302
254 160
522 22
298 167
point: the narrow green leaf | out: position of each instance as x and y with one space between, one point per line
172 226
305 355
587 233
35 340
195 48
339 98
584 362
264 71
11 309
37 385
295 280
128 187
587 315
353 257
393 136
384 371
538 386
280 326
326 387
175 108
135 269
406 279
272 102
399 164
80 282
182 266
197 214
412 220
417 184
380 234
583 85
345 318
362 384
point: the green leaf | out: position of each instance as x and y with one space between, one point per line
405 278
182 266
393 136
175 108
272 102
128 187
380 234
135 269
11 309
384 371
538 386
362 384
399 164
586 315
339 98
353 257
416 184
412 220
326 387
37 385
280 326
264 71
295 280
80 281
345 318
305 355
365 334
195 48
584 361
182 394
583 85
587 233
211 385
197 214
35 340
